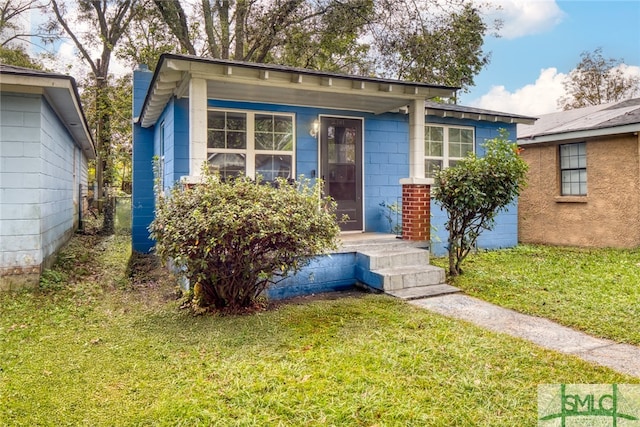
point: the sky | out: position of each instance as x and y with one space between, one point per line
541 42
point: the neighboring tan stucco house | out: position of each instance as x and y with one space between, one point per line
45 146
584 177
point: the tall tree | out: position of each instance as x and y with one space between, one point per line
18 57
15 35
435 45
13 22
434 41
120 99
597 80
80 21
146 38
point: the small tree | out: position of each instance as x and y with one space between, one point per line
597 80
234 238
475 190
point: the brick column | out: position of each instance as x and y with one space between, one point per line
416 212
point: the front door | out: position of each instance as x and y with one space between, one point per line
341 167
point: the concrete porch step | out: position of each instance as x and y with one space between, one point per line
385 258
420 292
376 242
395 278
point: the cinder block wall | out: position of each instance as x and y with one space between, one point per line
40 174
59 184
505 233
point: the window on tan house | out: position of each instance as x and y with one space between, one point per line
573 169
251 143
445 145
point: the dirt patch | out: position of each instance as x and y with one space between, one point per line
149 277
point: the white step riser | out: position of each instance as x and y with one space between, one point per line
410 280
377 262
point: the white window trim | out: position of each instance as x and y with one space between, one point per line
445 143
561 169
250 152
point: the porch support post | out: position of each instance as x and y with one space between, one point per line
416 138
197 125
416 189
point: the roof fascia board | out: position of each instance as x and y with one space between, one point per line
584 134
37 81
477 116
17 88
279 79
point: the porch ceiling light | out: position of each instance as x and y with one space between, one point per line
315 127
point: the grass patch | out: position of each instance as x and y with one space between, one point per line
106 349
594 290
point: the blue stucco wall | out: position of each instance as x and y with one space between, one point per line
325 273
385 151
142 201
386 158
505 232
386 161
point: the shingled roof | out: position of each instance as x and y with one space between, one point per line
606 119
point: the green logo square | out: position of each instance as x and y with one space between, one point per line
569 405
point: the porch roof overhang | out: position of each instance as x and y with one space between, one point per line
61 92
472 113
241 81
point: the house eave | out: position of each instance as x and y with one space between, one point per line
61 93
484 115
579 135
239 81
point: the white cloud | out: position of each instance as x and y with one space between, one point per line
540 97
534 99
630 70
525 17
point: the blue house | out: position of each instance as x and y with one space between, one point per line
45 147
373 141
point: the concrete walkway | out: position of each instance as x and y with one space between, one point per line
622 358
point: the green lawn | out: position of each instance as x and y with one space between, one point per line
104 350
594 290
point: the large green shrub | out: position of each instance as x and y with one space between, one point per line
475 190
233 238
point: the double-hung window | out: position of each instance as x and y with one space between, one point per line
573 169
251 143
445 145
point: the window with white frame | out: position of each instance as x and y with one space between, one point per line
573 169
445 145
251 143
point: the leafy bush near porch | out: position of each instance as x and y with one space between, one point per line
475 190
233 238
